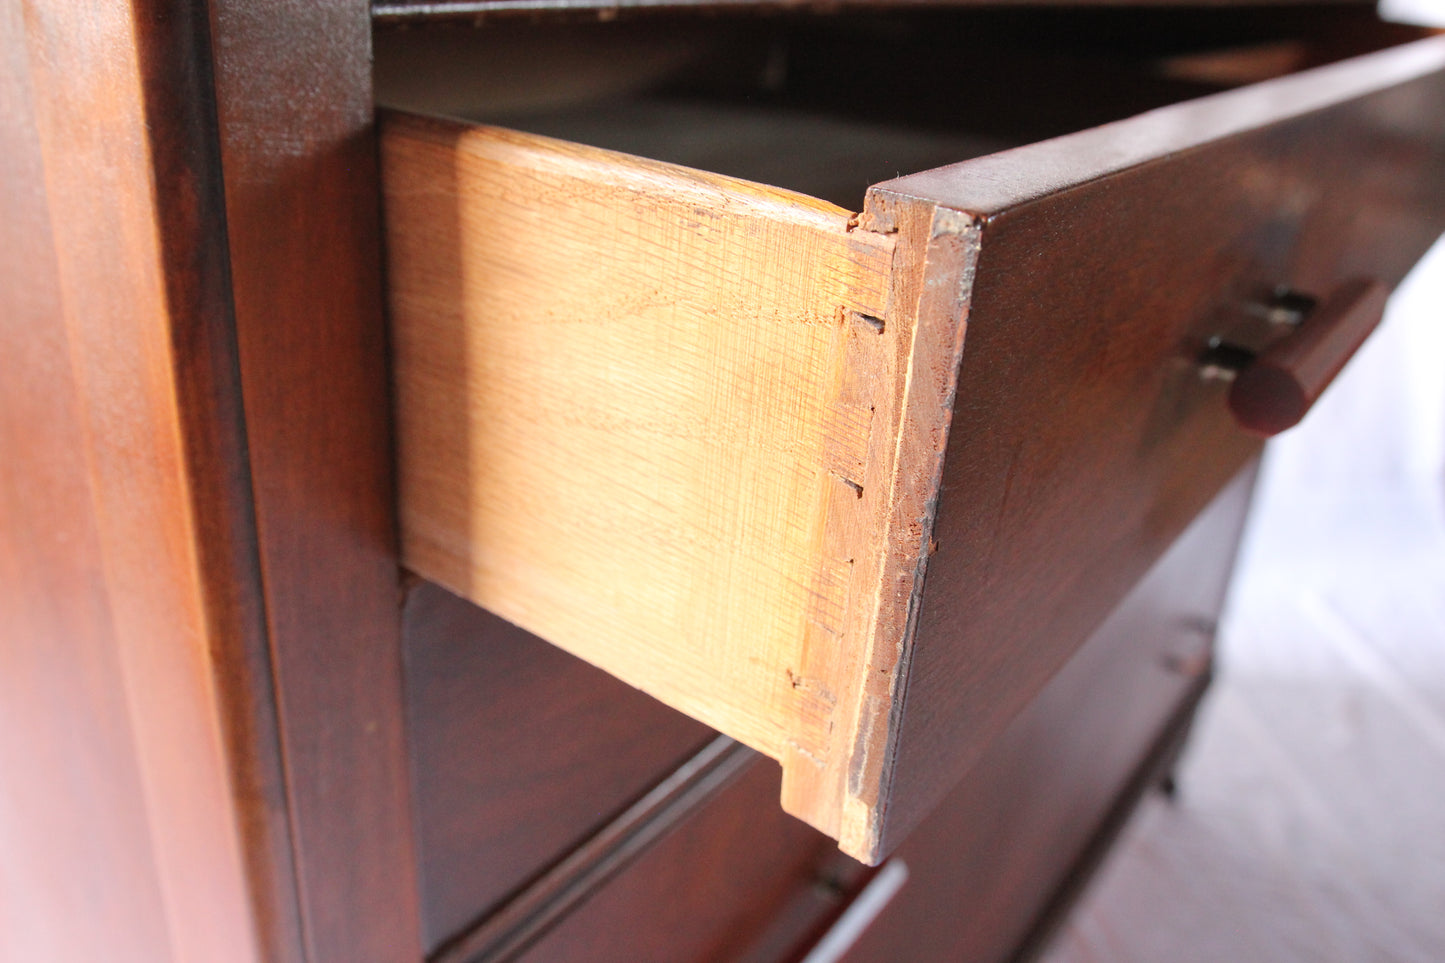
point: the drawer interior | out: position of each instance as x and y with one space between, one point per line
827 105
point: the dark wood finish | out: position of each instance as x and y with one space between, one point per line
639 84
1276 390
293 100
176 70
1083 438
413 10
200 636
557 892
144 806
519 752
1005 851
709 890
1155 772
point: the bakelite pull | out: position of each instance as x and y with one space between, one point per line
1275 390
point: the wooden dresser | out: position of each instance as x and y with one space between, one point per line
342 622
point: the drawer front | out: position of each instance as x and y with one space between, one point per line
710 436
519 752
997 861
1084 438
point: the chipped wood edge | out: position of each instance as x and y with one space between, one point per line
888 522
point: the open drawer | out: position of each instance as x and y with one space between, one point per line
711 435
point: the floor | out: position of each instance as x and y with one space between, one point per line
1310 819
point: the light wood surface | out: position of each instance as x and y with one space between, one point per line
665 420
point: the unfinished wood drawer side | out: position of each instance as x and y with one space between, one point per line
680 425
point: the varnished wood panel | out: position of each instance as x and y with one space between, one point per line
567 883
519 752
1083 439
713 889
293 102
653 415
140 810
986 863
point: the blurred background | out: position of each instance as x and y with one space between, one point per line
1309 819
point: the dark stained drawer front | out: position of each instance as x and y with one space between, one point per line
519 752
999 860
711 435
1084 438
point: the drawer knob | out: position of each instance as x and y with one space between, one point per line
1275 390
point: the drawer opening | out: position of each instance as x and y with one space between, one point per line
829 104
679 370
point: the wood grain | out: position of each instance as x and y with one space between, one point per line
297 151
652 415
141 815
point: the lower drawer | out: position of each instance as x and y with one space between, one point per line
993 867
739 880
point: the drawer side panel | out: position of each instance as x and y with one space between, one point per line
629 398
